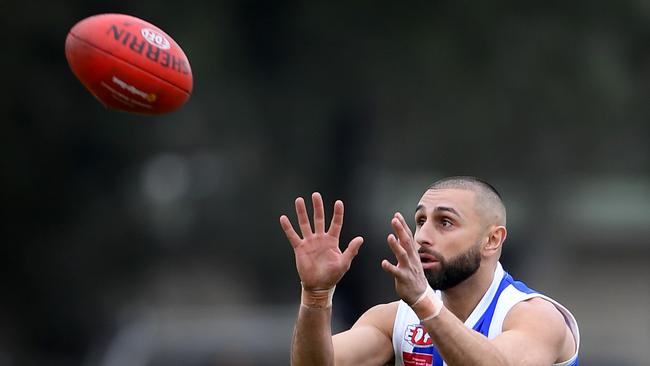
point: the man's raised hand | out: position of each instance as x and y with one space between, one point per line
410 281
319 260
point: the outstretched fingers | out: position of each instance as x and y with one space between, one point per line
291 234
403 256
402 220
400 253
319 213
403 233
303 219
337 219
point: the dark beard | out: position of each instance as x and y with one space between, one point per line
455 270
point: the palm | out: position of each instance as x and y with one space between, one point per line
319 261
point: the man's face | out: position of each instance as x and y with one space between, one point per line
449 232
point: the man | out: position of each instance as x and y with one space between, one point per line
477 314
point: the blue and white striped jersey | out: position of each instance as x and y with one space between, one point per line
413 347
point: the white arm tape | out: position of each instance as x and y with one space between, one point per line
436 303
315 300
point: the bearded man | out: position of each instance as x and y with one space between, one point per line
458 305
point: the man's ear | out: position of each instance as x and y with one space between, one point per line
496 237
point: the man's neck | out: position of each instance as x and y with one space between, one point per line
464 297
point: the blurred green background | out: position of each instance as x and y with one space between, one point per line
132 240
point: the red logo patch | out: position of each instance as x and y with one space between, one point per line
416 335
417 359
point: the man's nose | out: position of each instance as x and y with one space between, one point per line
423 237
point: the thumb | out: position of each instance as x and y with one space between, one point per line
389 268
353 249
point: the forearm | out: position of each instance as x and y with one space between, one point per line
459 345
321 265
312 337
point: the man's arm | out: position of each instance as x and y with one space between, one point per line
534 333
368 342
312 337
321 265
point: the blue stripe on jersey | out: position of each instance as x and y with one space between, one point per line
483 324
518 284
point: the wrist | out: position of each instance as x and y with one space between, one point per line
428 305
317 299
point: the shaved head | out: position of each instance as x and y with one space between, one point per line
488 200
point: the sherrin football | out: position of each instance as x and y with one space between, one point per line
129 64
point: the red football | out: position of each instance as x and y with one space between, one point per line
129 64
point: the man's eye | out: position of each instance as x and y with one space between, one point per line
446 223
420 222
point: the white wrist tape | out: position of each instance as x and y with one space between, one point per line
317 299
424 294
428 305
